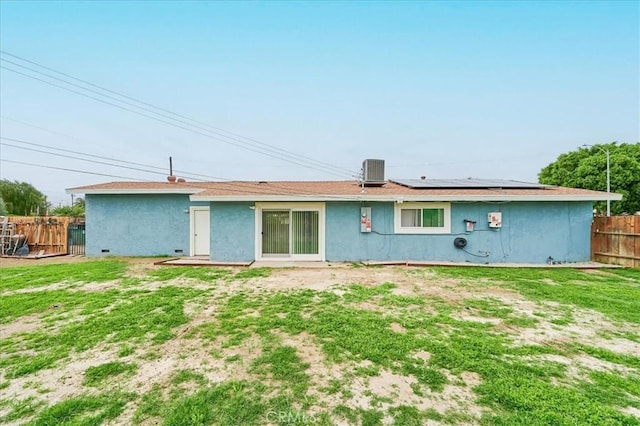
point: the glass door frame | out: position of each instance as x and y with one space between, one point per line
291 207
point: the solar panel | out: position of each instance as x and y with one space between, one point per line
466 183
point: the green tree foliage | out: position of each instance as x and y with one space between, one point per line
3 207
22 199
587 168
77 210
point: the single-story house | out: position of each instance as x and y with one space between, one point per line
463 220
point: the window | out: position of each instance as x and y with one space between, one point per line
423 218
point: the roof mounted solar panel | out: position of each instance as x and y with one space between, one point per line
466 184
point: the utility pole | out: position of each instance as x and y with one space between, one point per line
608 183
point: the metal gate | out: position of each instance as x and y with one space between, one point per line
76 238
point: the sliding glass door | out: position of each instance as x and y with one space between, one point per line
275 233
304 232
292 233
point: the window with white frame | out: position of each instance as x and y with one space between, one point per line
423 218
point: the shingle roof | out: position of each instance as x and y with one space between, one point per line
336 190
151 186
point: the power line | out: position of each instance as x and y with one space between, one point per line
254 145
162 121
436 164
77 158
97 162
184 173
103 162
286 190
171 112
70 137
131 104
273 189
203 187
53 132
4 160
229 182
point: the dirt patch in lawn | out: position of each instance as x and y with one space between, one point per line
397 328
389 389
472 318
50 287
141 269
407 283
375 392
25 324
579 366
320 370
61 382
586 327
323 278
579 326
623 346
11 262
632 411
368 306
107 285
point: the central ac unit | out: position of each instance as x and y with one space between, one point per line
373 172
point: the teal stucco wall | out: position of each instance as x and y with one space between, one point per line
137 225
232 232
143 225
531 232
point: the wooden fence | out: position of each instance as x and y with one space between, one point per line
43 234
616 239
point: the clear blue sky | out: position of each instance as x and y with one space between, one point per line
442 89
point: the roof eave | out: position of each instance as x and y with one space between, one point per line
139 191
279 198
410 198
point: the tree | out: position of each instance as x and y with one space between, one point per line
22 199
3 207
77 210
587 168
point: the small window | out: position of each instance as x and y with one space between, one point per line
433 218
410 218
423 218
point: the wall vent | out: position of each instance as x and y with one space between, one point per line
373 172
105 250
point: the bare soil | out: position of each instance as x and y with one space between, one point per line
11 262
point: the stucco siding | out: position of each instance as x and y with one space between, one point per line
137 225
232 232
143 225
531 232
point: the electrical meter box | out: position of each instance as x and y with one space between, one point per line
495 220
365 219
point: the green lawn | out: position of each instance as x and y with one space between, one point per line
113 341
